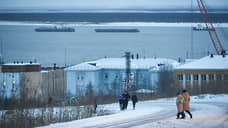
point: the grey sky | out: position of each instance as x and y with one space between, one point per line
109 4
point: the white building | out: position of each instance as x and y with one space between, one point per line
107 75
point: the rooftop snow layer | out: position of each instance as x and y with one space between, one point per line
20 64
217 62
120 63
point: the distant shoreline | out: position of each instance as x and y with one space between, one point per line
104 17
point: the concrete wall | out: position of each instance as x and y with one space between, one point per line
45 87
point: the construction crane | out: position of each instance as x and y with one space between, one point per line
210 28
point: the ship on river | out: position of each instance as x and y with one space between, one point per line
55 29
116 30
201 27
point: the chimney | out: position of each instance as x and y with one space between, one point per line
212 56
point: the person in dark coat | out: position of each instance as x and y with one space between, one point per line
127 97
121 101
134 100
95 105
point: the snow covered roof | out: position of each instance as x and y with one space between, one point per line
20 64
217 62
120 63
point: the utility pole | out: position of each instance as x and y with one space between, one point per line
128 70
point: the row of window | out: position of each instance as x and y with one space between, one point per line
106 76
203 77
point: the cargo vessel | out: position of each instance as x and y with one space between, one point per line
55 29
116 30
200 27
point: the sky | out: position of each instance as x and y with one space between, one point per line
109 4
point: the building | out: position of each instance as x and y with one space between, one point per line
107 76
26 81
208 74
11 78
21 67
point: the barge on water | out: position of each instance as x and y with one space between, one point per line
55 29
200 27
117 30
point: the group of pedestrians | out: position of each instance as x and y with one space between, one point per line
124 98
183 105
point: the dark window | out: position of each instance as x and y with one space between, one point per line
225 76
196 77
188 77
180 77
203 77
211 76
82 78
106 76
218 77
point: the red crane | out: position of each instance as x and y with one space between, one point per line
212 32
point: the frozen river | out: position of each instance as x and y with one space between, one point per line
21 42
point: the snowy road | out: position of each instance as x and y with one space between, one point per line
209 111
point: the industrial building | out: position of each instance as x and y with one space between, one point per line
107 76
26 81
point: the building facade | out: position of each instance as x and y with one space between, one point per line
107 76
208 74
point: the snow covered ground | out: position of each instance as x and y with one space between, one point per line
208 111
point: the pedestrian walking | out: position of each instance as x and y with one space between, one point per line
121 102
127 97
186 102
95 105
180 106
134 100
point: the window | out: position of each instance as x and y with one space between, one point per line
142 76
82 78
180 77
211 76
106 76
203 77
4 84
218 77
225 76
196 77
188 77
